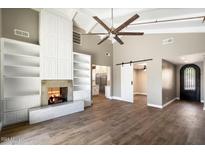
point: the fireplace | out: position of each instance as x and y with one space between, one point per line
56 91
57 95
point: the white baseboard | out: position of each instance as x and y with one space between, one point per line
110 97
116 97
177 98
138 93
170 102
204 108
162 106
156 106
202 101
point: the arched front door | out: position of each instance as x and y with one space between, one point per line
190 83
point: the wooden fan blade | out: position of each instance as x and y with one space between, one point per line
126 23
130 33
102 23
96 34
105 38
118 39
203 20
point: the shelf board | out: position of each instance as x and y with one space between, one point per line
81 62
14 96
80 90
81 85
81 77
23 94
81 68
21 55
77 69
9 76
12 41
23 66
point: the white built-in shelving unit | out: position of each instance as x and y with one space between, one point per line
82 77
20 80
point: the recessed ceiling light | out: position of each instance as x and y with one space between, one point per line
107 54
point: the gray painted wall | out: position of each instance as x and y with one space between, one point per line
89 46
201 66
140 81
150 46
23 19
154 82
168 81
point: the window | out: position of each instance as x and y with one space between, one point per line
189 78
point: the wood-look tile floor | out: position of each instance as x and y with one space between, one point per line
116 122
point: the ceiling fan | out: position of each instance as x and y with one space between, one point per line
115 32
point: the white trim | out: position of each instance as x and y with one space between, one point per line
162 106
204 108
120 99
202 101
116 97
156 106
176 98
110 97
138 93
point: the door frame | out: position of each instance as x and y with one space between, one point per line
198 80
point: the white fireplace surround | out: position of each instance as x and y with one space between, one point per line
45 84
47 112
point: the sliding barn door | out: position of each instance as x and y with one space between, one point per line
127 83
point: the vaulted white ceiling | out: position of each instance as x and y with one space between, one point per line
83 19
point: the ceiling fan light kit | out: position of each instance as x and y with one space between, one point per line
115 32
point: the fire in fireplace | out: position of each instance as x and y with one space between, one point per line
57 95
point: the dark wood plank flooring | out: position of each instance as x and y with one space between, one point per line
117 122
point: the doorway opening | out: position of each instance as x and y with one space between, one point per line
190 83
140 82
101 81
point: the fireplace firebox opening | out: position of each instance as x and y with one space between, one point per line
57 95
